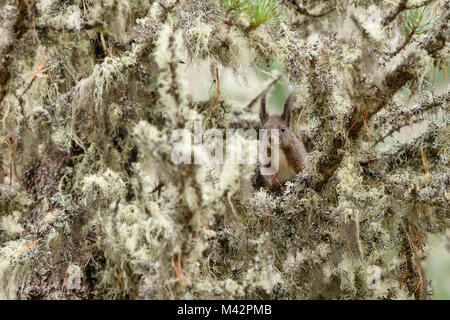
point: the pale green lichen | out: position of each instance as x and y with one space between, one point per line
91 205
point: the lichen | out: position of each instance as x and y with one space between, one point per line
93 207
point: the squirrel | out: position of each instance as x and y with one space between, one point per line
291 150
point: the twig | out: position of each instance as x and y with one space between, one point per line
5 107
13 147
262 93
358 25
85 25
380 171
423 237
218 89
393 14
445 72
85 10
420 5
420 285
418 240
322 59
402 6
356 120
397 118
38 73
367 125
168 9
66 277
406 271
411 243
305 12
178 270
32 32
297 125
401 269
268 222
425 164
28 245
437 38
308 133
407 40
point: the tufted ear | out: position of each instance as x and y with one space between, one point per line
262 110
286 116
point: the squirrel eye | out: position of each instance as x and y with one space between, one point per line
282 129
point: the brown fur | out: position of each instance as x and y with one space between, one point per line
289 144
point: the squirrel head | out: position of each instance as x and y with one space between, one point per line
278 122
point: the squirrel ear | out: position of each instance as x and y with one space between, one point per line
286 116
262 110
